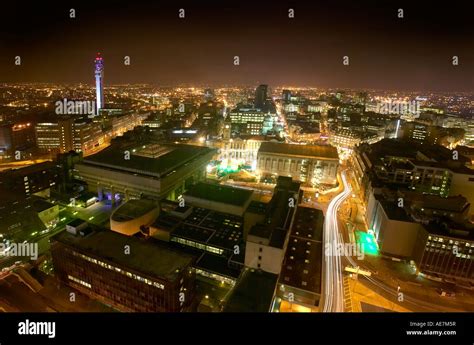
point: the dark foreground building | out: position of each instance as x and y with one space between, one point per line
124 272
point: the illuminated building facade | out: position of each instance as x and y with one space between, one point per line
55 136
247 120
67 134
312 164
447 256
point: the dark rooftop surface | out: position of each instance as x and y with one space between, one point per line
457 168
260 230
132 209
393 211
316 151
145 256
166 222
30 169
210 227
302 266
172 157
217 264
417 153
220 193
453 203
76 222
278 214
451 229
277 240
253 292
257 207
40 205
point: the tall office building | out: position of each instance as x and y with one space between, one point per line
261 96
56 136
99 81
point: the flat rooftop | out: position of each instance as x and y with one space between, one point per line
302 266
456 203
393 211
158 161
278 214
457 168
253 292
313 151
40 205
76 222
451 229
217 264
257 207
145 256
132 209
220 193
213 228
30 169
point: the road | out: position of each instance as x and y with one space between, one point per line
333 295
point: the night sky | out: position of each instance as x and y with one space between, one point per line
414 53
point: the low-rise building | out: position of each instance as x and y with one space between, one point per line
155 171
309 164
146 278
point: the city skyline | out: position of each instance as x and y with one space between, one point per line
164 161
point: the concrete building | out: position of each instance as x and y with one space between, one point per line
66 134
215 238
33 179
348 139
242 149
445 253
16 137
410 166
87 136
156 171
55 136
310 164
266 240
247 120
396 233
133 216
219 198
299 284
150 278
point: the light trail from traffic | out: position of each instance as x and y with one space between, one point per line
333 297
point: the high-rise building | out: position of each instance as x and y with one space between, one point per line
55 136
261 96
87 135
247 120
99 81
66 134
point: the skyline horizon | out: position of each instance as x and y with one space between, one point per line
383 51
248 85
